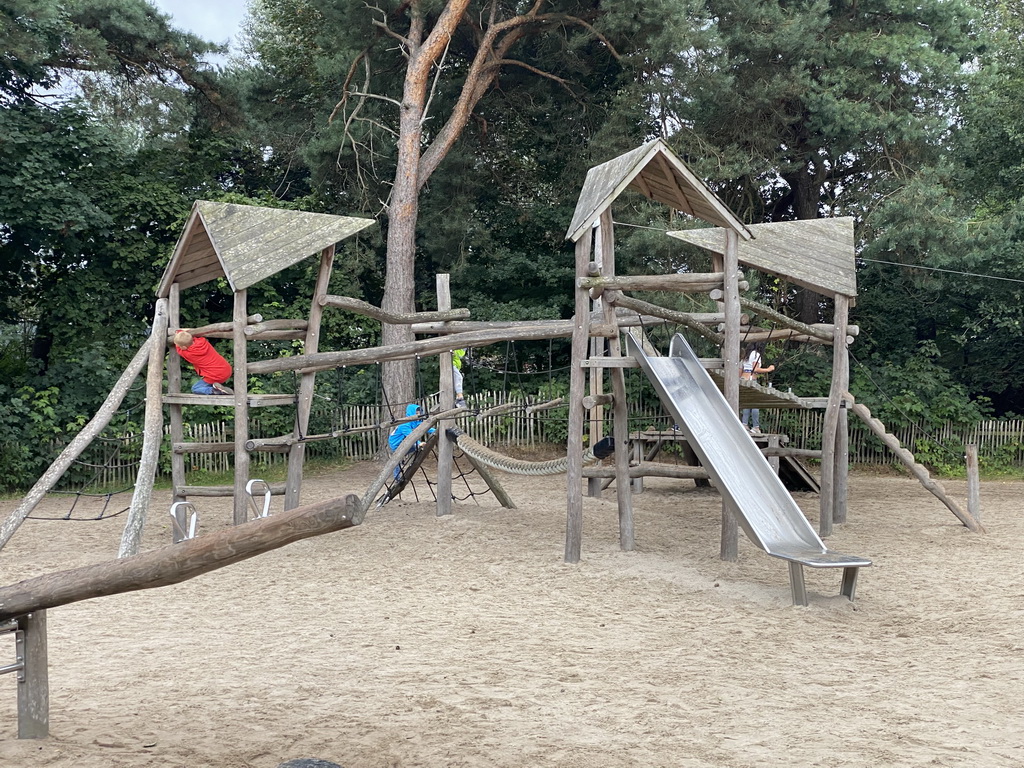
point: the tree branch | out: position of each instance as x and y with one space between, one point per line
491 54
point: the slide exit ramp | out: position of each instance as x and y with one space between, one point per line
767 513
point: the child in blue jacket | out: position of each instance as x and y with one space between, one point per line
399 433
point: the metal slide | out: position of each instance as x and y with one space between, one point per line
767 513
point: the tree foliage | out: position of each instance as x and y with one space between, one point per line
467 129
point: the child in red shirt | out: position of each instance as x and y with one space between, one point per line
213 369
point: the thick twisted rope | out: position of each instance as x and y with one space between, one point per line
495 460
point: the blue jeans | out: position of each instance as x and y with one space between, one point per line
751 417
202 388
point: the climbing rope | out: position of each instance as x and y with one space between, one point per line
77 496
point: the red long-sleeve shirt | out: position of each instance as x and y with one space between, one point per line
211 367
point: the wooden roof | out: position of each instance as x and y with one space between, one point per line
248 243
816 253
655 171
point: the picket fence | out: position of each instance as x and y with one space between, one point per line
113 462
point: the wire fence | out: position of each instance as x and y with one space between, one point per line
113 462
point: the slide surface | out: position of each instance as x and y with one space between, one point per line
767 513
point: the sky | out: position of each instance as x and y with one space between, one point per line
215 20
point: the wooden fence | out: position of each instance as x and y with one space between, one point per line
112 463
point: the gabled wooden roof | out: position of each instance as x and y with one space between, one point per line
655 171
248 243
816 253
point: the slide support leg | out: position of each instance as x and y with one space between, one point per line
849 585
796 583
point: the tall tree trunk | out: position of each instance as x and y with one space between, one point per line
399 376
416 163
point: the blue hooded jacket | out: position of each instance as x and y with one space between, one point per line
402 430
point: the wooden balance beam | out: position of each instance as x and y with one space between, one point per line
23 605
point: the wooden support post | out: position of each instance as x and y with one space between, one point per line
597 349
595 415
620 410
841 357
973 483
772 452
153 434
841 490
240 512
177 418
492 482
577 390
638 455
33 677
74 449
729 549
796 583
447 385
307 384
830 429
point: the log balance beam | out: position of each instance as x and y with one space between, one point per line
179 562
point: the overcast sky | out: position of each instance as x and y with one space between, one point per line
215 20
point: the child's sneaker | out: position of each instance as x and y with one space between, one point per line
460 402
222 389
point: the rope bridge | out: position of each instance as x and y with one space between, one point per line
495 460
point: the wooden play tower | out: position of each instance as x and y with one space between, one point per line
242 245
815 254
818 255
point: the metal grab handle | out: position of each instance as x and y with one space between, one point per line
249 488
179 510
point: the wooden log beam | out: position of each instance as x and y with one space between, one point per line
282 335
546 406
652 469
624 318
222 491
326 360
682 283
683 318
215 330
801 453
782 334
815 331
463 326
153 431
284 324
406 318
202 447
498 410
893 444
179 562
590 402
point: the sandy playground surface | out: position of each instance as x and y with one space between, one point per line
414 640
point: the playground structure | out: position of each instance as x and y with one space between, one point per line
245 244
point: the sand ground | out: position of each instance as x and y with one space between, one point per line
414 640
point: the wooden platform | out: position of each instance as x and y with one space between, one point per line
795 475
